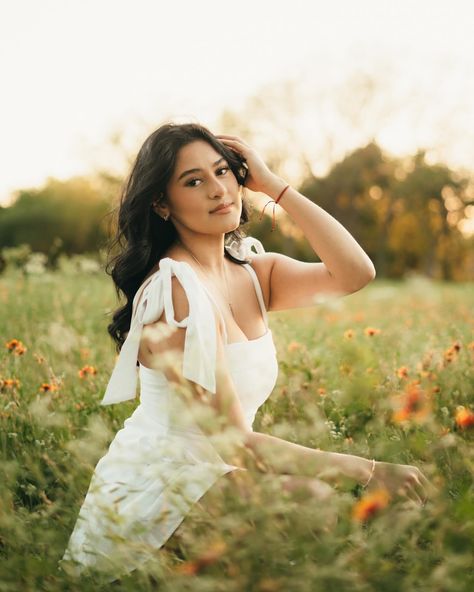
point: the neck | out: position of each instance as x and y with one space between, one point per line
208 250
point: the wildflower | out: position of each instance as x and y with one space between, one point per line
48 387
39 358
451 353
371 331
321 391
16 346
349 334
294 345
415 404
464 417
213 553
370 505
8 383
85 370
12 344
402 372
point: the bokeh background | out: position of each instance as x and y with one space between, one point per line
365 107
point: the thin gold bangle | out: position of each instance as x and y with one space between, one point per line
371 473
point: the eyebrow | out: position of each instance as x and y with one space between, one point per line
197 170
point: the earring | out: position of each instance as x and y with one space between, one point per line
165 218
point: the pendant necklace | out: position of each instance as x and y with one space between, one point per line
225 276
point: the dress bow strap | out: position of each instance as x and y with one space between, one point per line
200 345
243 249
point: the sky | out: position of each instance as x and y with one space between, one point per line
75 72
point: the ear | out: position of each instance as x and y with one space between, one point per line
159 206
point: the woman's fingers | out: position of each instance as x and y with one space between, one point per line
420 490
234 139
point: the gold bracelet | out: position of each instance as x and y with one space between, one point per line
371 473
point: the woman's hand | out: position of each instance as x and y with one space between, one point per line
402 480
259 177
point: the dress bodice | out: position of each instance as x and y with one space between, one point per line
252 363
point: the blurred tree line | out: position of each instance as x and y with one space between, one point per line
405 213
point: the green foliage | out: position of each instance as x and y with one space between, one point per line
74 211
405 213
340 367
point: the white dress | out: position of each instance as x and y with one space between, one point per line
159 464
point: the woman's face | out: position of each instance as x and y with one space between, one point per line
201 181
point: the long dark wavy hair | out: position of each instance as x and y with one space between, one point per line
141 237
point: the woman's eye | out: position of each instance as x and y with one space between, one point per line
189 183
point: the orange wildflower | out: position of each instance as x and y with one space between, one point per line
321 391
415 404
12 344
371 331
215 551
349 334
402 372
451 353
464 417
9 383
48 387
370 505
293 345
85 370
16 346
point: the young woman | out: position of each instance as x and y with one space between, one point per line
195 323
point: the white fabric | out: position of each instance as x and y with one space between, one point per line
160 463
200 343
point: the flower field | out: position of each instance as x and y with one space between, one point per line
384 373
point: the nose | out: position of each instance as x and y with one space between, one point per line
217 189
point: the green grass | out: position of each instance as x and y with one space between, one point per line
333 392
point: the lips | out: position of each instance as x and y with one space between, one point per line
221 206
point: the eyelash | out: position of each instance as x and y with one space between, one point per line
191 180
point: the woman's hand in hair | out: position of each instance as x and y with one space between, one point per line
259 176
